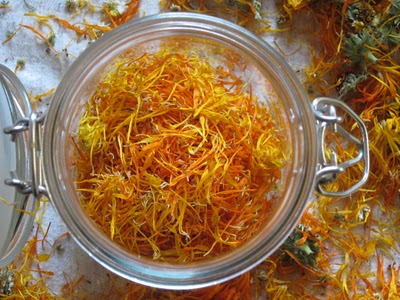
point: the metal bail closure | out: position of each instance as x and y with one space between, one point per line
332 136
21 173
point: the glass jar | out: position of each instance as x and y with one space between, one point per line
273 82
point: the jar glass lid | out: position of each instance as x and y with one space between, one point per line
16 203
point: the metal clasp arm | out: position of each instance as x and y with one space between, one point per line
325 113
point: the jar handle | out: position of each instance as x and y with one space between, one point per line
327 119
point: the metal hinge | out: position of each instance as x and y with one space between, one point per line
33 185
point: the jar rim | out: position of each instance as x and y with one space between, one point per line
206 272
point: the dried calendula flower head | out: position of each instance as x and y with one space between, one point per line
70 5
19 65
114 8
302 246
6 282
51 39
360 14
373 33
